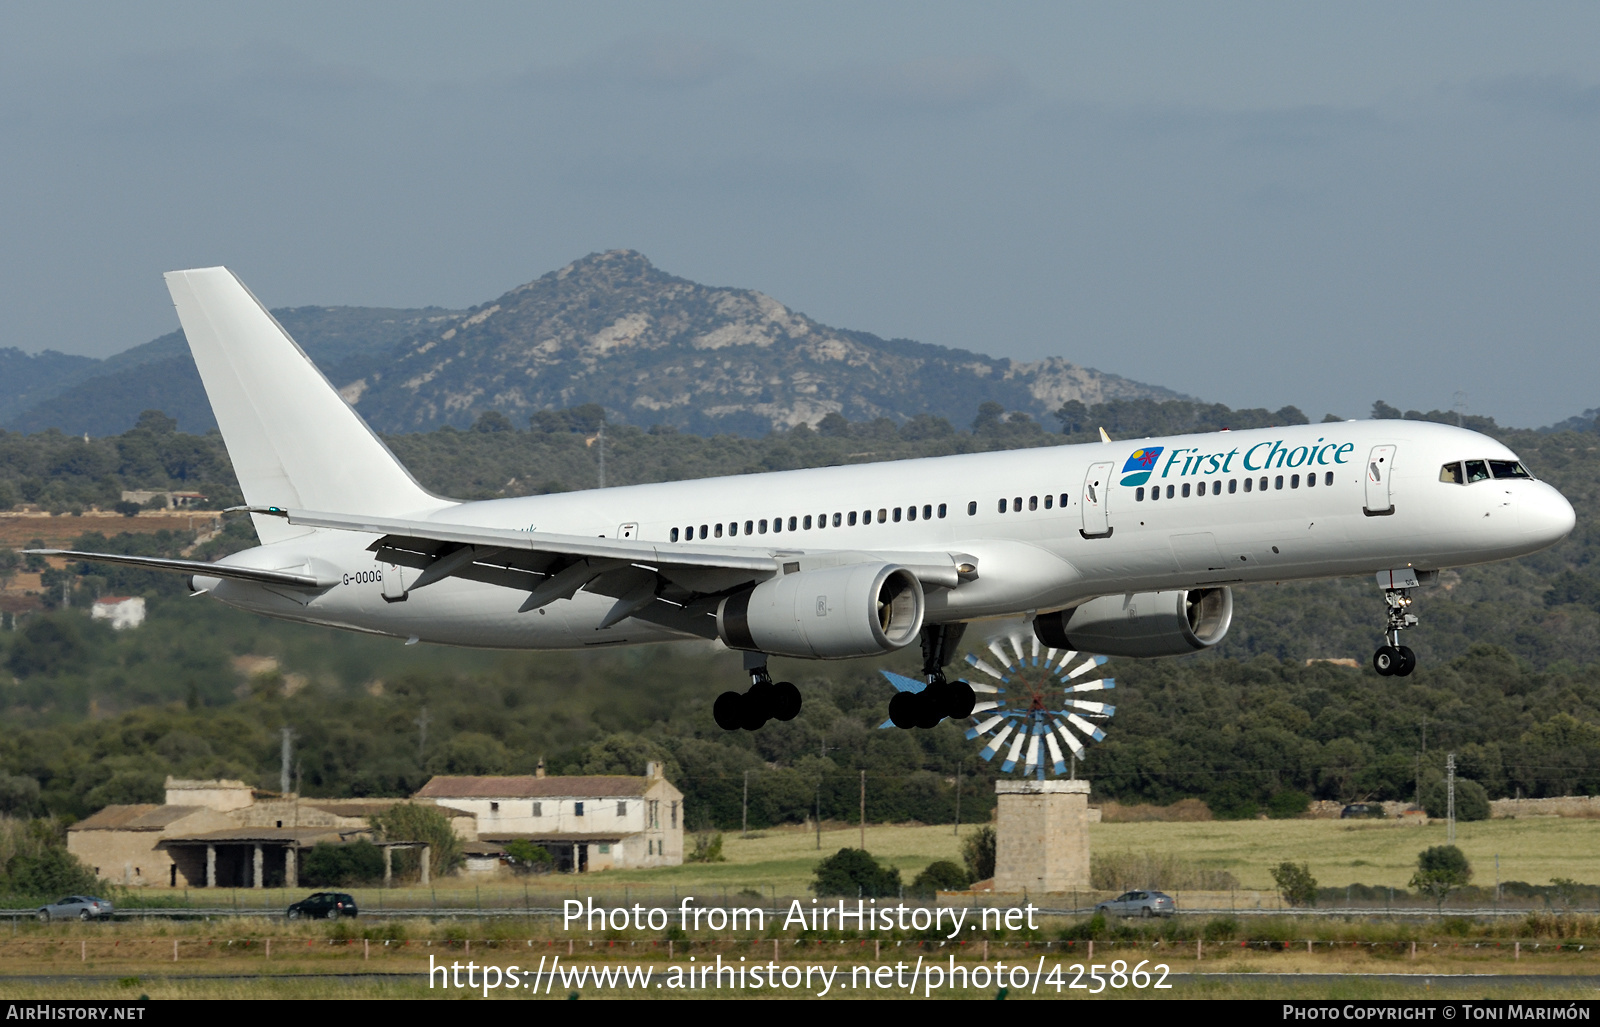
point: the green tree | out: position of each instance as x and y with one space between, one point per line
1441 869
330 865
1295 883
977 852
942 875
50 872
853 873
415 822
1287 804
528 858
1472 801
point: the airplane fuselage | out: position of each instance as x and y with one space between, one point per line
1044 528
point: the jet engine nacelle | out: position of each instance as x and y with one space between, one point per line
1142 624
831 613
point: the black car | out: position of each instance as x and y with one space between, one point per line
324 904
1361 811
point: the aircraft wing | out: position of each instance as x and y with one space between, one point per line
677 583
199 567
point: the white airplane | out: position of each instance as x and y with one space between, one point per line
1118 548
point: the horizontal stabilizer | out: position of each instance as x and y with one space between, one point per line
198 568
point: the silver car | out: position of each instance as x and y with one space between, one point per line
76 907
1145 903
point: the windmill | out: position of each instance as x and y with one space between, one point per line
1038 708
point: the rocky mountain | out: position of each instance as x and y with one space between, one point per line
653 348
611 329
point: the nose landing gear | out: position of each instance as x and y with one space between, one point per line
1393 658
764 700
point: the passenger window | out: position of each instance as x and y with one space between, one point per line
1002 506
837 520
1138 494
1277 482
1249 483
852 518
897 515
927 511
1155 493
1185 490
1063 500
1477 470
911 513
941 511
822 520
1508 469
794 523
1294 481
1216 488
866 517
1264 483
883 515
1201 490
719 530
1311 481
674 534
1033 502
733 528
1172 490
702 531
748 525
808 522
762 524
1048 500
1329 479
1016 504
1233 485
972 508
777 525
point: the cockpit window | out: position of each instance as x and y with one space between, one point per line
1451 474
1477 470
1508 469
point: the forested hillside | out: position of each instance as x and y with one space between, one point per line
1510 675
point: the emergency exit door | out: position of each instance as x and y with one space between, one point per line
1380 469
1093 501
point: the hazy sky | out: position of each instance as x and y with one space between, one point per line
1256 204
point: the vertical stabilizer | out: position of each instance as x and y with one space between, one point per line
294 441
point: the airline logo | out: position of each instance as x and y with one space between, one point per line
1138 467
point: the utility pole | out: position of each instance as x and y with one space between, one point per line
283 766
600 444
744 812
863 811
957 831
422 723
822 753
1450 795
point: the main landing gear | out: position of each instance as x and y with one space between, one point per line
764 700
941 698
1393 658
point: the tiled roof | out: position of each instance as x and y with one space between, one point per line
528 787
135 818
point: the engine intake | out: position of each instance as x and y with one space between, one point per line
832 613
1142 624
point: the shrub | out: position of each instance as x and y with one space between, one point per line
528 858
977 852
1472 801
1120 871
1295 883
330 865
414 822
1286 805
707 848
1441 870
853 873
939 876
52 871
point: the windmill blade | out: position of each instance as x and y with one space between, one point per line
1094 686
988 751
985 668
1057 764
1000 654
1020 649
1033 643
1049 656
1071 740
1033 752
1016 751
903 683
1086 727
1067 656
985 707
990 689
1087 665
983 727
1092 707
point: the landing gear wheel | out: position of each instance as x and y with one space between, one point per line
1408 661
903 710
785 701
959 700
1387 660
728 711
757 705
929 710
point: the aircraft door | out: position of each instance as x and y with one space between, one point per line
1380 468
1093 500
394 583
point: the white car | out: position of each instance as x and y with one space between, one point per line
76 907
1145 903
